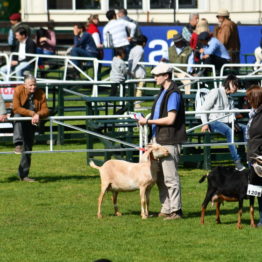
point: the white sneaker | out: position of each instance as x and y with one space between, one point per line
239 166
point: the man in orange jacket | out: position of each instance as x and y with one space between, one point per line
28 101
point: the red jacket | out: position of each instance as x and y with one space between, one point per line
92 28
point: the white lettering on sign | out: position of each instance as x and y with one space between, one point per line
7 93
253 190
160 52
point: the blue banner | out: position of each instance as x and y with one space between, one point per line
160 38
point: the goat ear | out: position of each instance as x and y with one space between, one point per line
148 153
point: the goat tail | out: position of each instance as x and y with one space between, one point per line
93 165
202 179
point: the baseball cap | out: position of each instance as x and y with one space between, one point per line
162 68
204 36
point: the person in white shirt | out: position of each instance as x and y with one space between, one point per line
20 62
115 32
123 14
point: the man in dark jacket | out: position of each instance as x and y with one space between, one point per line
168 129
84 44
21 62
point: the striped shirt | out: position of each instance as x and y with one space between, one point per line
117 30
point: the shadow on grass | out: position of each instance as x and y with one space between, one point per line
189 215
50 179
212 213
11 179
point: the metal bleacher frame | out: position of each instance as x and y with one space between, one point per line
94 102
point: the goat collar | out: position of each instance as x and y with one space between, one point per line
142 149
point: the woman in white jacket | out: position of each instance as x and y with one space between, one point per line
218 99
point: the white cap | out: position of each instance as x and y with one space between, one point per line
162 68
223 12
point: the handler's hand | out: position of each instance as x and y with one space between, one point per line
205 128
35 119
142 121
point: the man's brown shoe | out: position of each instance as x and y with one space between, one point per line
174 215
19 149
28 179
163 214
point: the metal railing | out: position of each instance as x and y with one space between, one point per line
143 130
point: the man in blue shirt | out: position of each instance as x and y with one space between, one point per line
84 44
213 51
168 129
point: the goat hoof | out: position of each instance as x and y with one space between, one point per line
144 217
253 225
118 214
99 216
239 226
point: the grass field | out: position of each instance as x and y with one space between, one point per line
55 219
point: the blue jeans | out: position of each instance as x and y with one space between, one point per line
226 131
20 68
77 51
41 51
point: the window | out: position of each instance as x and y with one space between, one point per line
170 4
58 4
134 4
162 4
88 4
128 4
187 4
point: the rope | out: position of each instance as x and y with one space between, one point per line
99 135
73 151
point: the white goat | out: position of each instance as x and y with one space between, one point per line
120 176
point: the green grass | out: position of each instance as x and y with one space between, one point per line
55 219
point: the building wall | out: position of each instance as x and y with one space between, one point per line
242 11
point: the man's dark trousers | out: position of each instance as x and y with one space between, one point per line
24 133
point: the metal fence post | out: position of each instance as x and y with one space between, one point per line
60 129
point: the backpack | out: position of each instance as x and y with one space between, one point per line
199 100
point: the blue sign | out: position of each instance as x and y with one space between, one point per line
160 38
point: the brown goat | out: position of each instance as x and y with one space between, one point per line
120 176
